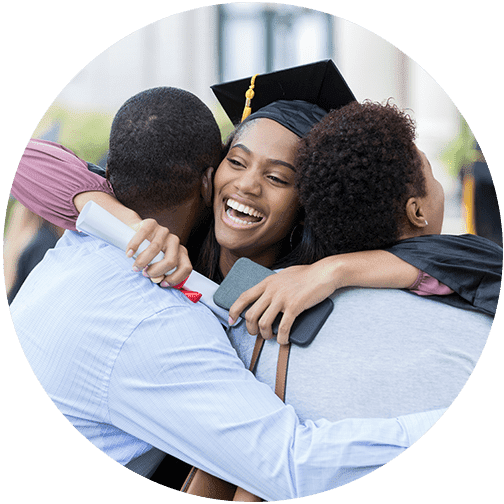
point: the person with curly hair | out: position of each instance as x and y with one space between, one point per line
364 183
364 186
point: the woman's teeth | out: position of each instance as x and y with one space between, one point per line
244 209
254 216
238 221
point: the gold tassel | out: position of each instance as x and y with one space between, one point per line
468 190
248 98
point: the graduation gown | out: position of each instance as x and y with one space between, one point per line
470 265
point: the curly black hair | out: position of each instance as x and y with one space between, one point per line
161 142
356 170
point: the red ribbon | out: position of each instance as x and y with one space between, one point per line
191 295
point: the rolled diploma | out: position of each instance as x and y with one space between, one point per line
96 221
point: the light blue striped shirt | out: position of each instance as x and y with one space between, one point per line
134 366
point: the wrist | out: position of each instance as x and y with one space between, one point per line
109 203
131 218
334 272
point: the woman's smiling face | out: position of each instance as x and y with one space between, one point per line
255 202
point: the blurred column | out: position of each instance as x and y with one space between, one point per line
438 124
403 78
150 55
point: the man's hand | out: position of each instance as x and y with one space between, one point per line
170 271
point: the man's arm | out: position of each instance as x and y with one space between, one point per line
184 391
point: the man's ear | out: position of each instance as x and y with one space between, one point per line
415 212
207 186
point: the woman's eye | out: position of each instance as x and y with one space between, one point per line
234 162
277 180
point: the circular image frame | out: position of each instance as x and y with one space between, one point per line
447 437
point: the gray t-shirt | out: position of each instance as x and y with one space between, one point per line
381 353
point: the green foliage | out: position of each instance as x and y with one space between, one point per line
224 123
460 153
84 132
87 132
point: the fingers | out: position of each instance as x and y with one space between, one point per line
173 268
253 316
285 326
170 246
184 269
266 323
146 230
265 303
245 300
180 268
261 316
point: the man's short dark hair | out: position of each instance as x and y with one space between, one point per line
357 168
161 142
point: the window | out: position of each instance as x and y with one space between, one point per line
259 38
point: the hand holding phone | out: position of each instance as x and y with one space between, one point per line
246 274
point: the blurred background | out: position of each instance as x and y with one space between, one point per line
195 49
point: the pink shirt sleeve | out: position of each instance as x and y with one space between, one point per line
426 285
47 179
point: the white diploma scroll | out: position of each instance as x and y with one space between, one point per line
96 221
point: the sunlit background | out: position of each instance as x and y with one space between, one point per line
198 48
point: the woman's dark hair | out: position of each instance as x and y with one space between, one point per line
356 170
161 142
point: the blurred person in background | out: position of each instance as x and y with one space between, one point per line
27 239
480 200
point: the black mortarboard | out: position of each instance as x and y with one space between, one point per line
297 97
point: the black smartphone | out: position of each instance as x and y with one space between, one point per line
245 274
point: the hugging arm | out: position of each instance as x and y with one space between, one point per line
297 288
463 271
54 183
229 424
48 178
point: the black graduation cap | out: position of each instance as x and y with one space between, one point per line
297 97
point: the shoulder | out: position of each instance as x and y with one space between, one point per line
91 277
396 304
52 148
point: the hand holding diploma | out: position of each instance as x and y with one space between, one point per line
157 252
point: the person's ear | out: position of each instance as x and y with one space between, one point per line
415 213
207 186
